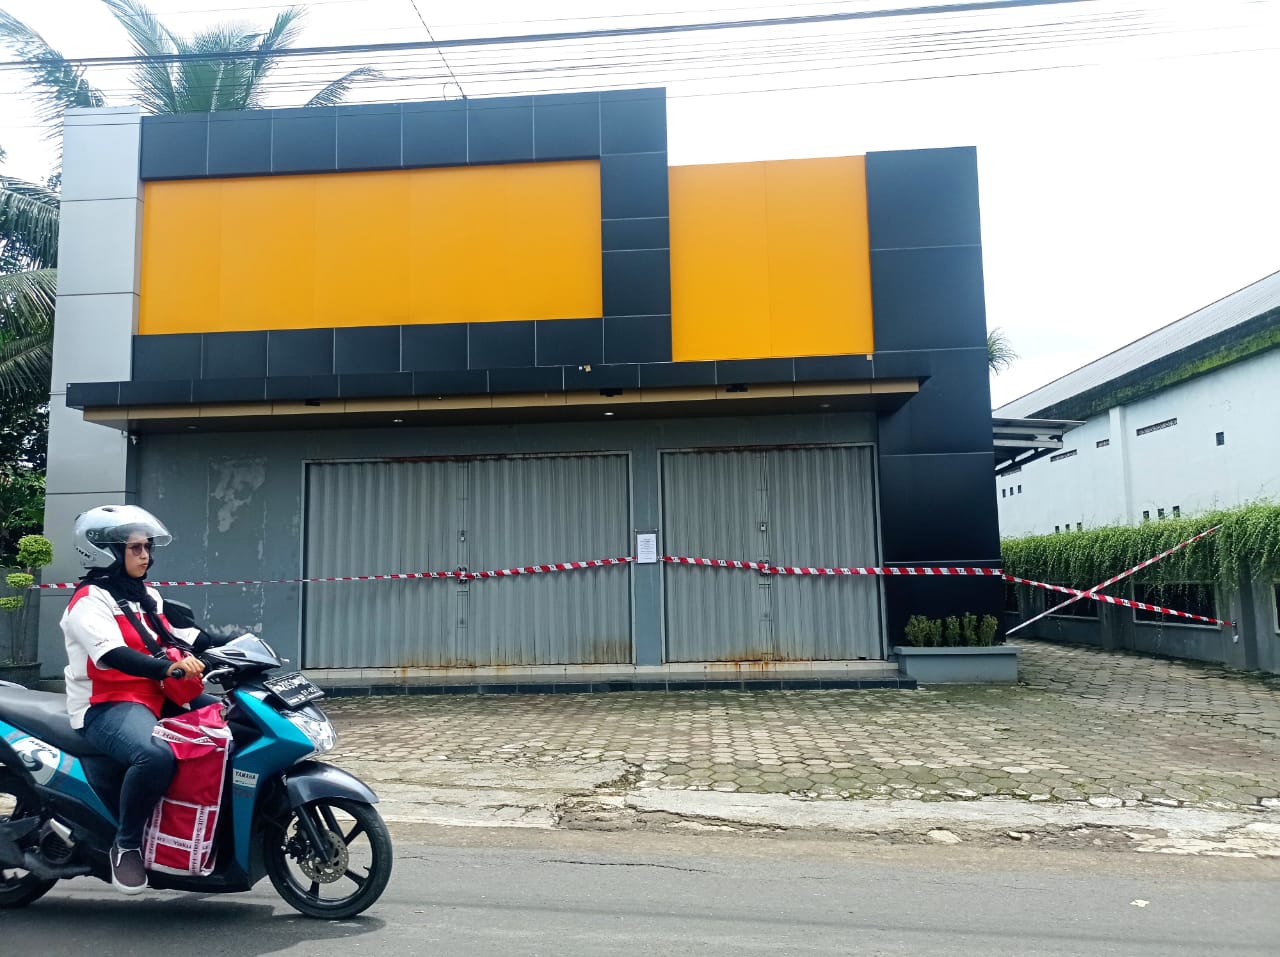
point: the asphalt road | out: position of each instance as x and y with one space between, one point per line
464 891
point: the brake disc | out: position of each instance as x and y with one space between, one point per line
326 871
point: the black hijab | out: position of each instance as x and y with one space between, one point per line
120 584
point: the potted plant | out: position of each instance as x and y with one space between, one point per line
959 648
19 612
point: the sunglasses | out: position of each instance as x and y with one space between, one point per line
139 548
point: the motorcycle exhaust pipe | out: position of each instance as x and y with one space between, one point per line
11 855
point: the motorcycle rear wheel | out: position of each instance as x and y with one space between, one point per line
346 877
18 887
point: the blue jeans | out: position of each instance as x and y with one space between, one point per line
122 729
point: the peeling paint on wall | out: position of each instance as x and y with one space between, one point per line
237 480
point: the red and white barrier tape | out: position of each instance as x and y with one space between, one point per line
1111 581
762 567
457 575
1112 600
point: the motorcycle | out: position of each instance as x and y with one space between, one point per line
308 826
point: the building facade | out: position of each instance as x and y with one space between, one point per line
487 334
1175 424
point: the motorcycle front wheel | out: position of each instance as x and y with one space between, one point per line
18 888
340 879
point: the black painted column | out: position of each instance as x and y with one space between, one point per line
937 497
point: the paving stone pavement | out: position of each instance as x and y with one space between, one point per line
1083 725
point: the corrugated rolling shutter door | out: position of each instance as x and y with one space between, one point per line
533 510
800 506
483 513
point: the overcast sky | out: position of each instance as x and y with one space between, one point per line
1127 149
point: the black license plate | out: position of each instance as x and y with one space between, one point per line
294 690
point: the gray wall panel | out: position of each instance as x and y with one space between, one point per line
175 475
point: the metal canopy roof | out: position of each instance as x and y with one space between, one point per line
1019 441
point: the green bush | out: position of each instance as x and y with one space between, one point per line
34 551
987 629
1247 543
20 580
953 632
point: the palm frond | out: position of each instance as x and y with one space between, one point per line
337 91
150 38
207 79
26 301
1000 353
29 214
26 329
58 85
283 33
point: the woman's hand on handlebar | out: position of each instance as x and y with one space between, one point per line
190 665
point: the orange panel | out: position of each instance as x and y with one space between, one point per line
770 259
464 244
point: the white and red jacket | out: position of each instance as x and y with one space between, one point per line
93 625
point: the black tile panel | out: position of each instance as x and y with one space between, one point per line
303 141
633 185
366 349
547 379
174 392
637 338
492 345
174 147
937 597
246 389
923 198
834 368
650 233
295 352
451 382
636 283
566 126
662 375
370 385
433 347
166 357
912 364
229 355
928 298
435 134
85 395
601 377
938 509
562 342
747 371
239 143
303 387
500 130
368 136
950 413
633 121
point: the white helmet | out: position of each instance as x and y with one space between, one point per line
99 528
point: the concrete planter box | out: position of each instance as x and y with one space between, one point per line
994 664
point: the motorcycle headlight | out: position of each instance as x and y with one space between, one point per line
316 726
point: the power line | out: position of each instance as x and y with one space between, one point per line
414 4
531 38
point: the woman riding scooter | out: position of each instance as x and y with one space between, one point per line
118 667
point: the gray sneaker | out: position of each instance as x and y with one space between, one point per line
127 873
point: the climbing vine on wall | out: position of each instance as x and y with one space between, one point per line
1248 543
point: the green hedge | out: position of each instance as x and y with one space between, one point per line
1247 543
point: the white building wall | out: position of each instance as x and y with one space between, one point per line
1179 466
95 318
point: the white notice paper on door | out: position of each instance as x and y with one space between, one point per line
646 548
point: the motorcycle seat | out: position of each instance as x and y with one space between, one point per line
44 715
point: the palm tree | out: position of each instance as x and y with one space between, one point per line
222 68
28 285
1000 353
